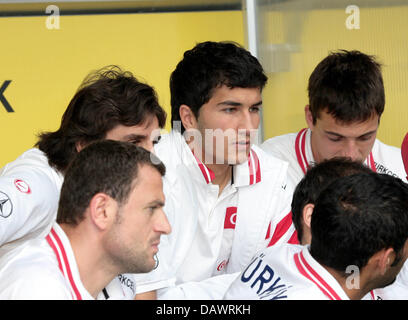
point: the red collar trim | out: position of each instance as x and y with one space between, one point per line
56 244
300 148
307 271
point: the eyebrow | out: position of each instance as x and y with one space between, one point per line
155 203
133 136
341 136
236 104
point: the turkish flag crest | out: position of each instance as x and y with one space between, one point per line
230 218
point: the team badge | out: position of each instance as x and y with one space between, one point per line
230 218
22 186
6 207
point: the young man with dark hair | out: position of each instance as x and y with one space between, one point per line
316 179
110 104
359 233
224 196
110 219
346 101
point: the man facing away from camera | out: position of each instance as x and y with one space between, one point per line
359 232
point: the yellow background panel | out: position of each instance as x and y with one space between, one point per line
47 66
313 34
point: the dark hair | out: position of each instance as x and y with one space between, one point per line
349 85
210 65
105 99
357 216
318 177
105 166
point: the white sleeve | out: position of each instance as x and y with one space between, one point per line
212 288
28 203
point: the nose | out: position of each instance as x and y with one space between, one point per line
147 144
249 121
162 224
351 150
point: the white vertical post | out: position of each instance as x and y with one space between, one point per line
250 13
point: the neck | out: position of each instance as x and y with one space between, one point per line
94 272
354 284
222 174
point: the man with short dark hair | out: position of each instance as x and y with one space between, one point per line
109 104
316 179
359 242
346 101
224 196
110 219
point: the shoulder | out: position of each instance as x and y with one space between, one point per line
32 157
32 163
279 143
282 252
388 159
385 148
31 272
270 164
267 276
32 168
177 157
273 171
170 144
268 158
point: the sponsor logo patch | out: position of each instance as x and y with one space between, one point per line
22 186
6 207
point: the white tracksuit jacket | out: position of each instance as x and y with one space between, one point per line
261 204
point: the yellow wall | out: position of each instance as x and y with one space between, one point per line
383 32
47 66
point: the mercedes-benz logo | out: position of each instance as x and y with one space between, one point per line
6 207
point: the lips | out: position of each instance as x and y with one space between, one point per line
242 145
155 245
243 142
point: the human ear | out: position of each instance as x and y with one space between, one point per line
307 213
103 210
386 259
79 145
187 117
309 117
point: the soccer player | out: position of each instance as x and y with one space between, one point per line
316 179
358 243
346 101
225 197
109 104
109 221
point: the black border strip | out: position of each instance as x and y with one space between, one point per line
23 13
